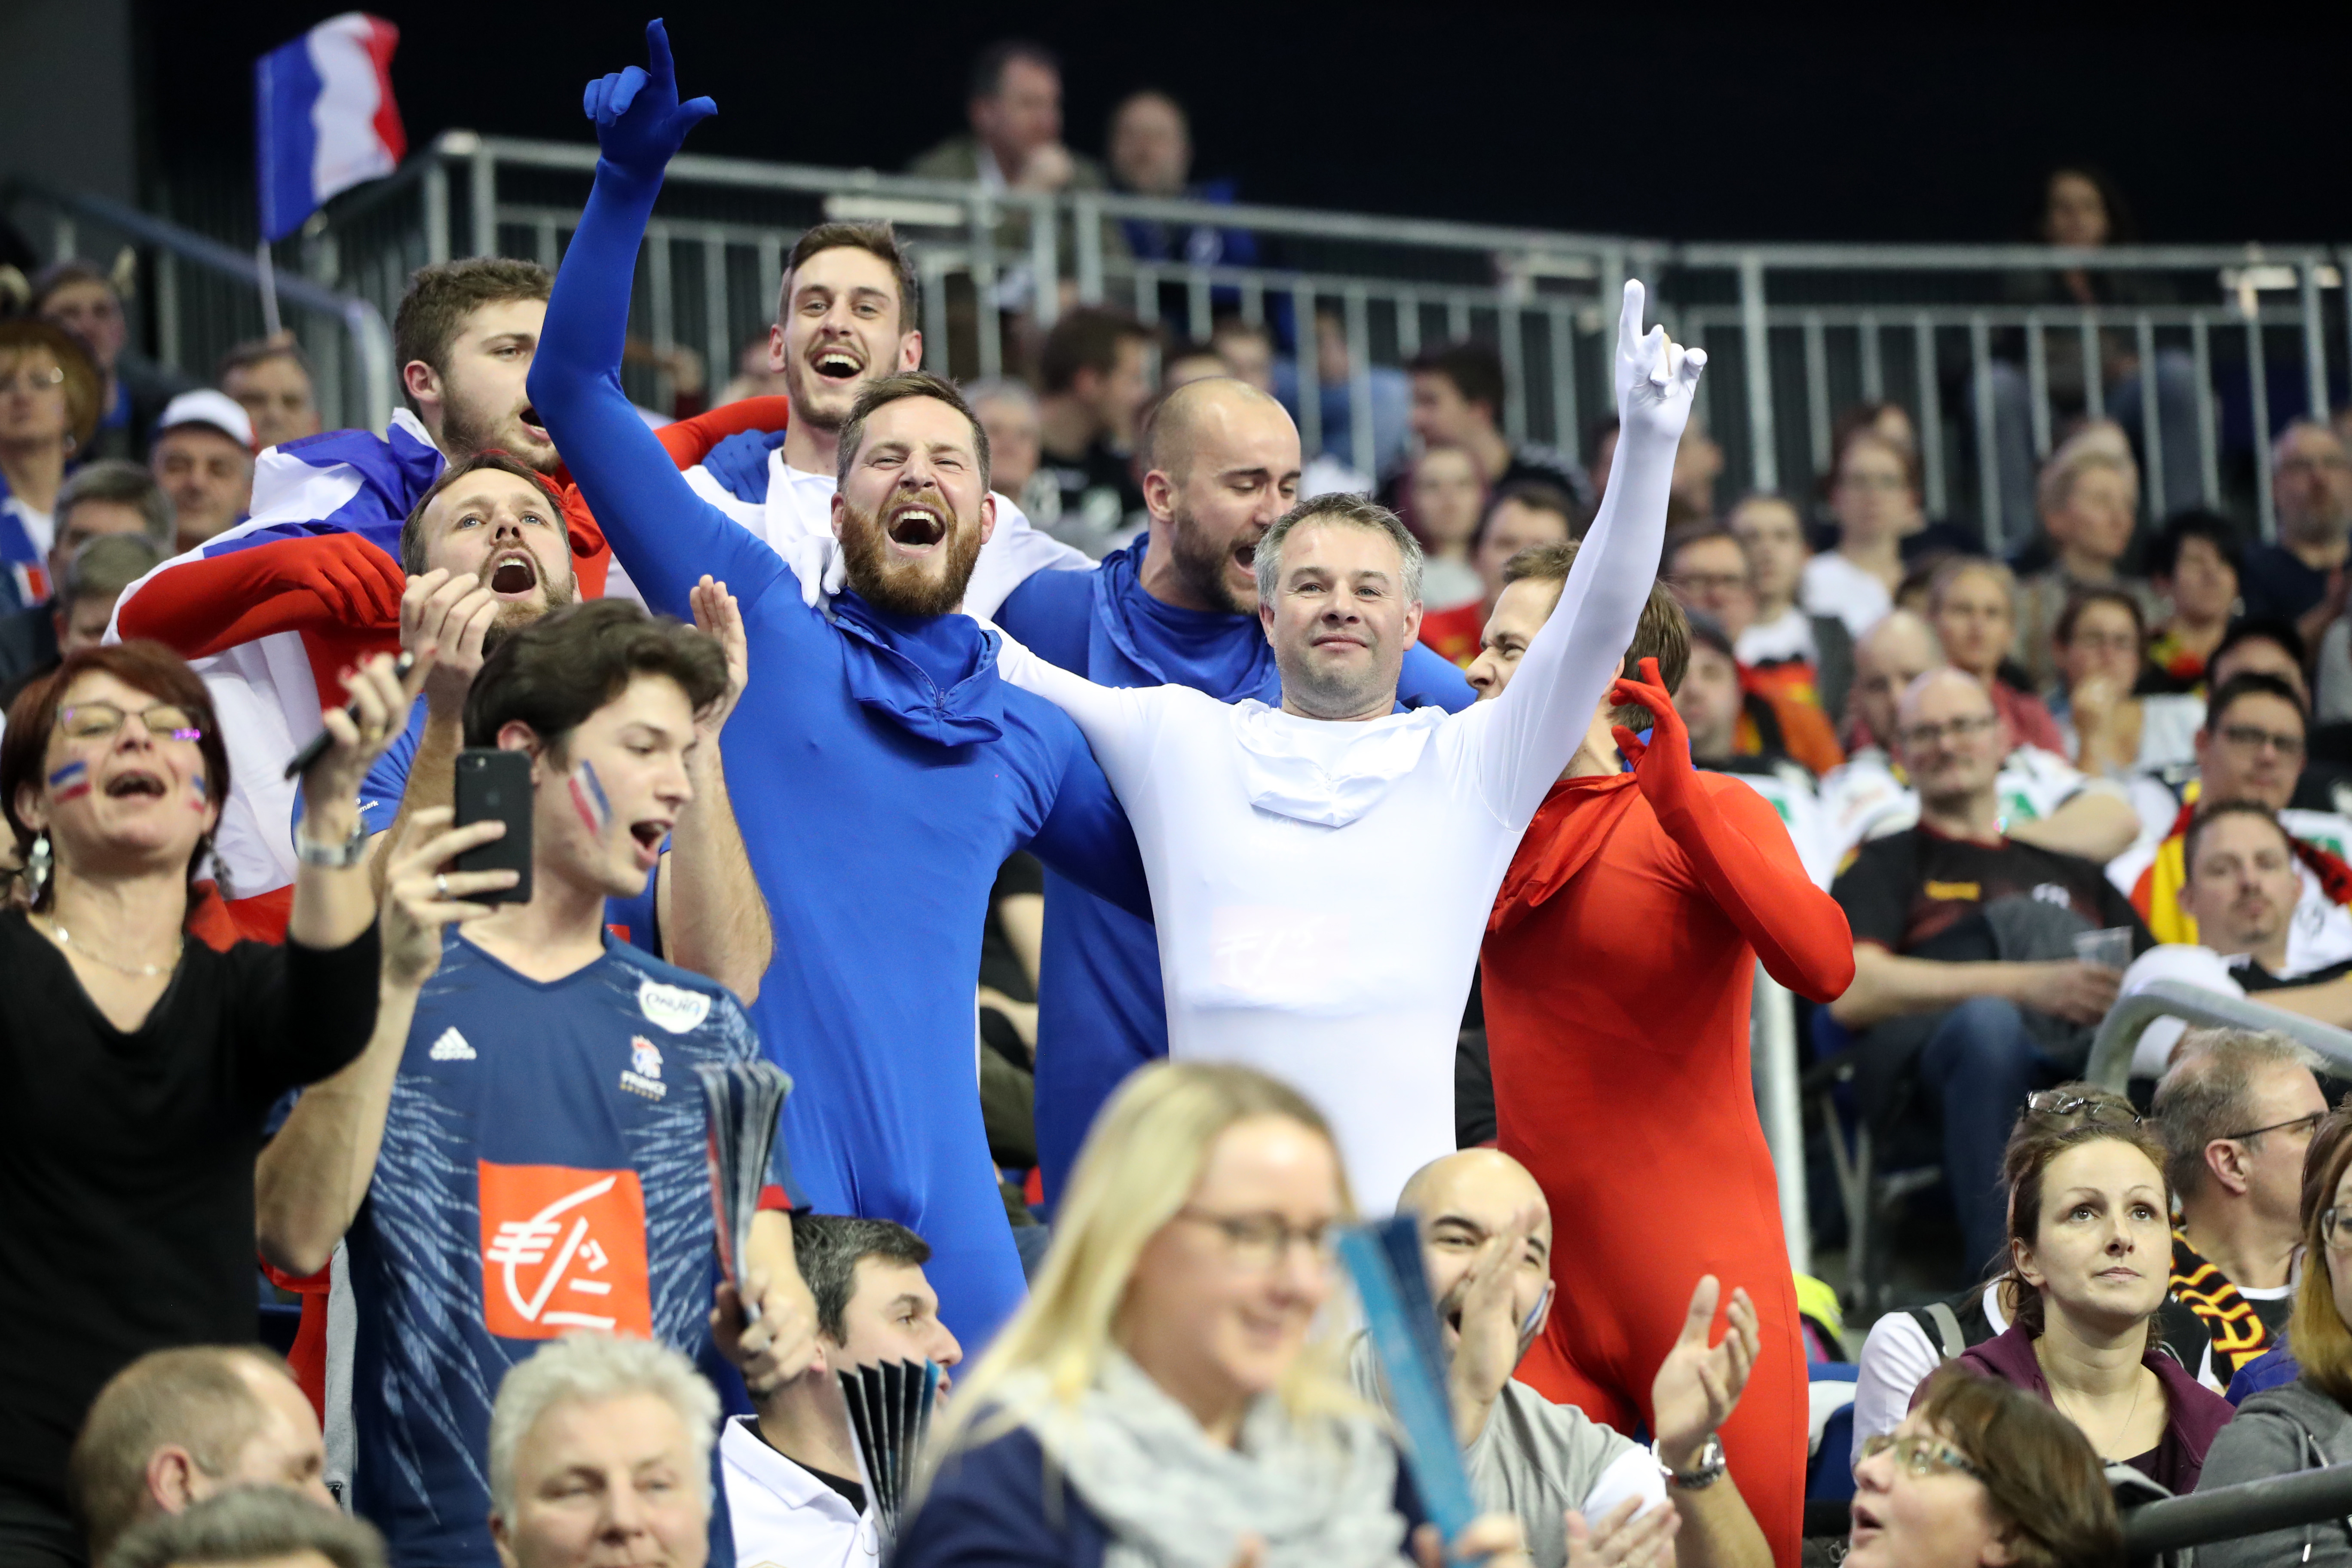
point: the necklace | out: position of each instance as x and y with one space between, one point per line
2139 1385
64 939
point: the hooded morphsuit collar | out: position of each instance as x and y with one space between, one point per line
1319 771
933 675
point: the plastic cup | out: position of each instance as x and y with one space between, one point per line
2107 949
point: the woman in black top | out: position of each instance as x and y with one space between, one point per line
137 1064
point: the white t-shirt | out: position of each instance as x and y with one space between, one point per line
2200 967
2169 723
2319 933
1790 791
1833 585
1864 798
1786 637
1896 1359
783 1517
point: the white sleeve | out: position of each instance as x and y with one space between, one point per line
1112 720
1895 1359
1015 551
1631 1474
2191 966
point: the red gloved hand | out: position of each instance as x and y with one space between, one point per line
1663 768
357 584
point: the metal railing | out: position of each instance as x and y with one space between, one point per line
1780 1106
204 297
2111 1049
2231 1513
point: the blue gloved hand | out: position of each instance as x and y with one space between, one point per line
640 123
740 464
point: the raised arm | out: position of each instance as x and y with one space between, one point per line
713 919
1544 713
665 534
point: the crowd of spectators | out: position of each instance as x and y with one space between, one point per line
2031 786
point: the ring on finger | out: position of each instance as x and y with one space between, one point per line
441 886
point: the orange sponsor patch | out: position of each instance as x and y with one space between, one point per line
562 1249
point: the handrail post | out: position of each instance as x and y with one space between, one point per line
1045 263
1781 1111
482 193
437 209
1085 242
1764 462
2315 338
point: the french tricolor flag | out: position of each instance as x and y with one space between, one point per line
323 117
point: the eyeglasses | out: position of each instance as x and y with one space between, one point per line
2336 1229
1711 581
2307 1123
2106 642
2253 738
1260 1241
33 381
1920 735
2105 1110
1888 482
1921 1456
100 720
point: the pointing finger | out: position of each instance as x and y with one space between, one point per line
1629 318
658 52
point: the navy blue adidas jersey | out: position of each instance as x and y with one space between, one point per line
543 1172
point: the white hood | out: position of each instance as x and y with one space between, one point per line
1324 771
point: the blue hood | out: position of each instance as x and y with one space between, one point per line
933 675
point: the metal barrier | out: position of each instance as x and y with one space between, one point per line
2111 1049
204 298
2231 1513
1773 1063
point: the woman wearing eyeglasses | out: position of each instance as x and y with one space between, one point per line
138 1062
2090 1242
2304 1424
49 395
1162 1397
1980 1473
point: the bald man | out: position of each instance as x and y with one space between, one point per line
2048 802
1487 1236
1959 980
1179 606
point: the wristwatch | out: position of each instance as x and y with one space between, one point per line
1703 1474
334 857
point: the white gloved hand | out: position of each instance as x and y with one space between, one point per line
817 561
1656 377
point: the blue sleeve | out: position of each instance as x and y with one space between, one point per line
988 1507
663 534
1430 679
386 783
1052 612
1085 836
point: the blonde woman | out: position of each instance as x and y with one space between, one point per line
1163 1397
1972 605
2088 497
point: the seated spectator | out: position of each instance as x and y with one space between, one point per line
93 580
1186 363
1706 569
177 1426
142 1061
1159 1394
1874 495
1386 389
1446 498
1457 401
2236 1111
421 1154
1518 517
1972 602
49 411
2044 799
1959 989
252 1527
1783 645
2088 495
796 1487
1891 422
203 457
103 499
1982 1472
2301 578
1247 348
1734 730
2252 748
2090 1249
599 1450
82 297
1094 385
754 377
2193 567
1486 1238
270 379
2304 1424
1007 410
2109 728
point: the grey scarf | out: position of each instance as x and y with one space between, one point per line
1172 1498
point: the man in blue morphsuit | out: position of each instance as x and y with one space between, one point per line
885 770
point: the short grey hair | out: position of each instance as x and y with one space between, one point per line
248 1524
125 484
590 1369
2208 1091
1340 507
999 389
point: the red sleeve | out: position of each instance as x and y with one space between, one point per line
690 441
1739 848
774 1199
317 581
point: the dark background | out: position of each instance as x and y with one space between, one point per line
1656 119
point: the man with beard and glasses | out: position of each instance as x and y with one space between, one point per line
894 769
272 610
1176 606
1321 872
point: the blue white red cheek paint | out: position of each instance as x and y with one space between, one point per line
71 781
588 798
198 801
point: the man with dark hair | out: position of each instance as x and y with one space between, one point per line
251 1527
1457 401
177 1426
1013 107
1520 516
794 1484
520 1151
1707 567
2302 576
2193 563
106 497
1093 382
270 379
879 730
81 296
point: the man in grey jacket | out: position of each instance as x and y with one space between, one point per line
1486 1238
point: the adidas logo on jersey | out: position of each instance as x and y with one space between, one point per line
451 1048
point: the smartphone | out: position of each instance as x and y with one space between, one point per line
494 786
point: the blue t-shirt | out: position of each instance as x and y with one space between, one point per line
543 1171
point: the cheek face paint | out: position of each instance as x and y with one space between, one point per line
588 799
71 781
197 802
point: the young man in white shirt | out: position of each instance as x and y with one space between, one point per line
796 1485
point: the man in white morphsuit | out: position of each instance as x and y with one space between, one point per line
1321 872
